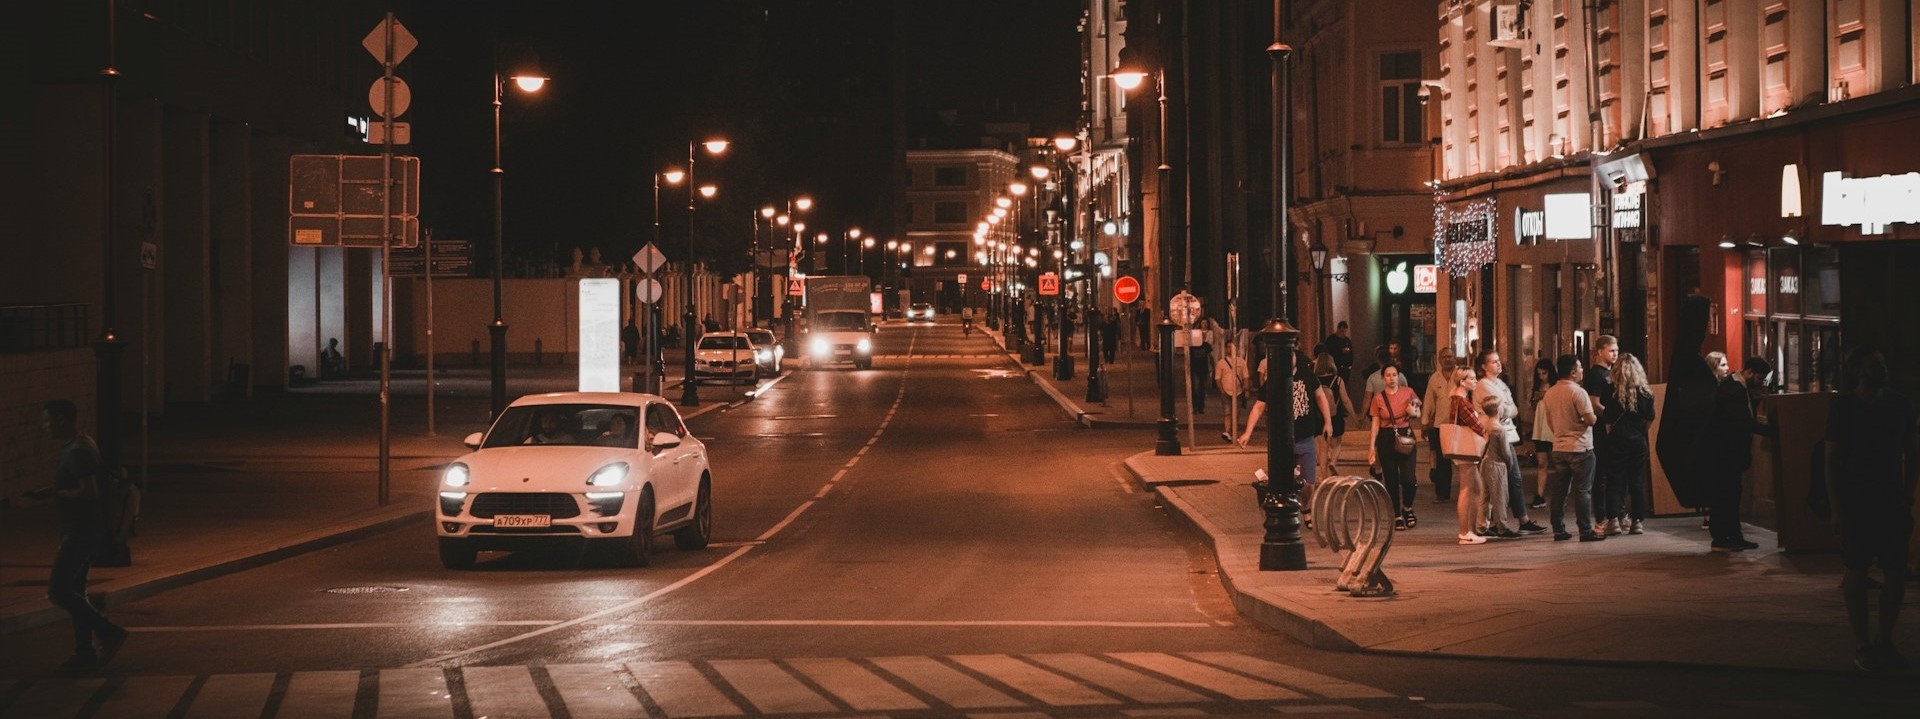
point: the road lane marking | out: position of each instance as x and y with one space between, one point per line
681 690
1321 684
503 691
222 692
775 529
770 688
854 684
1043 685
1125 682
319 694
414 692
1219 681
143 697
838 475
1047 623
345 625
945 683
592 691
824 489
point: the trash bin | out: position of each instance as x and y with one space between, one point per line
1063 367
1036 355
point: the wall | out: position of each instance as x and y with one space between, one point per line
27 381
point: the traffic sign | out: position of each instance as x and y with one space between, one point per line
402 97
962 279
402 133
1049 284
796 288
986 285
647 290
1126 289
338 200
376 42
649 259
1183 309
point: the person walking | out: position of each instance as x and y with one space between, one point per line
1627 418
1571 413
1393 448
1544 375
1333 388
1872 464
76 494
1200 367
1434 409
1340 346
1143 328
1461 411
1729 446
1110 336
1230 375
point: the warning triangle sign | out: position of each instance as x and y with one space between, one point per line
795 287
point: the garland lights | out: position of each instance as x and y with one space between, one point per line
1464 239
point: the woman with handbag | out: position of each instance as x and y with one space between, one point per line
1392 449
1463 439
1544 375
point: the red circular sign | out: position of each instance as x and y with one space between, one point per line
986 285
1126 289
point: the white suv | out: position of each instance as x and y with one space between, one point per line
613 468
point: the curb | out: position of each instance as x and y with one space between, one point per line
145 585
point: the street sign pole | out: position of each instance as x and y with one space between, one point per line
386 260
429 273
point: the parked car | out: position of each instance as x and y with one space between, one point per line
920 312
768 355
725 356
610 468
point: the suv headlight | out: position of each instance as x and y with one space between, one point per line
609 476
457 475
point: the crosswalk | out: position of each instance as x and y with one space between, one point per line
956 685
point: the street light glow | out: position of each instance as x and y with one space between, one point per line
1129 79
708 191
993 219
783 220
867 243
854 233
529 83
1066 143
803 204
1000 212
1018 189
673 177
822 237
715 147
1040 172
1002 202
799 227
767 211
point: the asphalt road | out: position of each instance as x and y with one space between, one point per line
929 538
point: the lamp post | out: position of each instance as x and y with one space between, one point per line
689 392
1325 293
1282 548
498 330
757 314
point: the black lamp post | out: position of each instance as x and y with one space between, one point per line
689 389
497 332
1282 548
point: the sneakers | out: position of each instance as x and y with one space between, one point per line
1615 528
1538 502
1600 527
110 643
1744 544
1636 528
1561 536
1720 546
1507 534
1592 537
1471 538
1531 527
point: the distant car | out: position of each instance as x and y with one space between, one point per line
613 468
768 355
725 356
920 311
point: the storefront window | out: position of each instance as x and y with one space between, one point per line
1793 310
1757 283
1821 282
1786 280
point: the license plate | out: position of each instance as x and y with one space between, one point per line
523 520
843 352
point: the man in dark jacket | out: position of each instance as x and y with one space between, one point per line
1729 446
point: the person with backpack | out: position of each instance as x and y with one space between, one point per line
1333 385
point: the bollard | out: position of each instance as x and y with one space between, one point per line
1168 443
1283 551
1355 516
539 351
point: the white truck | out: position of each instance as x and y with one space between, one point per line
839 321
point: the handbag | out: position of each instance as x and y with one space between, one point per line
1460 442
1403 441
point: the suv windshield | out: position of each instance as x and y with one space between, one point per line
724 342
565 424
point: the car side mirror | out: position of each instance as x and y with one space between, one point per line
665 440
473 440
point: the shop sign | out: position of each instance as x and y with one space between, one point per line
1569 216
1870 202
1626 211
1426 279
1529 226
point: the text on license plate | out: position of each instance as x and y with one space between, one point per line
523 520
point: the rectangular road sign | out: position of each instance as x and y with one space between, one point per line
338 201
402 133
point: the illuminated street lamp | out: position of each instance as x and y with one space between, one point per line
689 395
498 330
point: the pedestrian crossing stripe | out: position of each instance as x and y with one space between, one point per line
679 689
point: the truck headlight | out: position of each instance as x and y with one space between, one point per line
864 346
819 345
457 475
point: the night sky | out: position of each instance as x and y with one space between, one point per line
804 89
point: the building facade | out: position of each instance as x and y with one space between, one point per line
947 193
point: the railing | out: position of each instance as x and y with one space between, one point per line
34 328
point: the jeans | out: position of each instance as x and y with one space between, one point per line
67 588
1396 470
1306 459
1516 494
1570 472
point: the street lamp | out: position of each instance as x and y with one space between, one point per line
1167 440
786 219
498 330
689 394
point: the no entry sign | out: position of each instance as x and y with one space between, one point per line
1126 289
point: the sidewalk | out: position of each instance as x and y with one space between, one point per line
237 485
1133 392
1656 600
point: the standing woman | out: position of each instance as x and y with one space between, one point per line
1544 375
1392 410
1470 489
1334 389
1628 416
1728 446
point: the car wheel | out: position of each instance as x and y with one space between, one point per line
637 550
457 553
694 536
